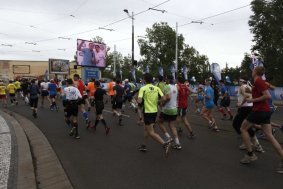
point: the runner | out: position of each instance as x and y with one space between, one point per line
18 90
183 93
72 107
111 84
91 89
12 92
52 88
99 105
117 101
260 115
78 83
148 95
244 109
169 111
25 84
33 92
225 101
3 94
206 111
44 92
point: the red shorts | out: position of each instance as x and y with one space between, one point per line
3 96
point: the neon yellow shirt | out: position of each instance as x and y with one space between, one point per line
18 84
2 90
150 93
11 88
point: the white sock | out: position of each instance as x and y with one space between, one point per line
177 141
167 135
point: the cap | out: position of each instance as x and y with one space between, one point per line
126 80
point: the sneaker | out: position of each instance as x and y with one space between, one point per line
166 147
258 148
107 130
212 123
177 147
280 167
180 130
248 159
120 121
191 136
274 131
215 129
142 148
77 137
72 131
242 147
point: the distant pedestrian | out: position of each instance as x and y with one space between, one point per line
225 101
33 92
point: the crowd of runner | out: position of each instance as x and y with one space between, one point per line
164 103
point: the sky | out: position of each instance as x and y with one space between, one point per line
33 29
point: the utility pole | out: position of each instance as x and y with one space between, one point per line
114 60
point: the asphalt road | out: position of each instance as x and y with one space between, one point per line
211 160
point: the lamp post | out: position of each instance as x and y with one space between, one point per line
133 32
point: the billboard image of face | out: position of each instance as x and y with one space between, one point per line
58 66
91 54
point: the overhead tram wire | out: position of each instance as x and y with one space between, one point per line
209 17
115 22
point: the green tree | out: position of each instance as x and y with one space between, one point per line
266 26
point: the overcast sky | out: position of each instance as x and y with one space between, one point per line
224 38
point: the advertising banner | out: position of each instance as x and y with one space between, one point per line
91 54
58 66
89 73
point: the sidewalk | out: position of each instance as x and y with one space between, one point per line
36 164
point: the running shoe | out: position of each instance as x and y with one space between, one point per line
142 148
274 131
107 130
72 131
215 129
167 146
280 167
191 135
180 130
248 159
258 148
177 147
77 137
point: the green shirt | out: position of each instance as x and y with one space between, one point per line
161 85
150 93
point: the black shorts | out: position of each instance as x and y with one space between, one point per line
182 112
81 101
241 115
64 102
18 90
44 93
259 117
52 96
117 104
99 106
12 95
128 97
225 102
72 109
166 117
33 102
149 118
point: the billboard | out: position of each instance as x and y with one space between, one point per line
91 54
89 73
21 69
58 66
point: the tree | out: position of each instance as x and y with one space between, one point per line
266 25
158 48
245 70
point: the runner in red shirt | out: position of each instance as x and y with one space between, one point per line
260 115
183 94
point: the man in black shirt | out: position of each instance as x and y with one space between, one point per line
99 106
117 101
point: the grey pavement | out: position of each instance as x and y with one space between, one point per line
211 160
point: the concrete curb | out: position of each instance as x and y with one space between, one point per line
25 170
48 170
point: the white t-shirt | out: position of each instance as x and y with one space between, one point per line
170 107
72 93
99 58
241 97
44 86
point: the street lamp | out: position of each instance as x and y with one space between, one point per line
133 37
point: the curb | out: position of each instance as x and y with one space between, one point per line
45 166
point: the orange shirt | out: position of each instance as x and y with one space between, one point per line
110 88
91 88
